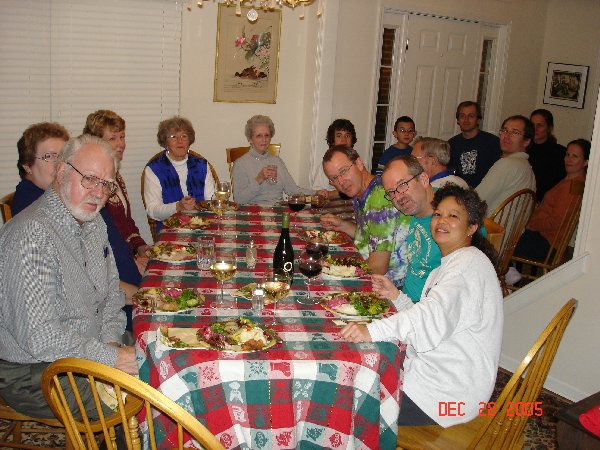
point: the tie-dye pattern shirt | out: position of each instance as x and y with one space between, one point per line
380 227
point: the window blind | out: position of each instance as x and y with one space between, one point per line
63 59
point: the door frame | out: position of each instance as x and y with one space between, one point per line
493 117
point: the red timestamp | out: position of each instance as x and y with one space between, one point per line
518 409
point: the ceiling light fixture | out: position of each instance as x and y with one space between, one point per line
252 14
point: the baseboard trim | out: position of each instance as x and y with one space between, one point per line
552 384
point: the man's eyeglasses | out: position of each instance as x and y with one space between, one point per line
406 131
400 189
343 172
48 157
511 132
90 182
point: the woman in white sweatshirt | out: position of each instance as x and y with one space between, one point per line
454 333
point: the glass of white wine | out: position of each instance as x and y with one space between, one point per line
223 268
276 286
223 191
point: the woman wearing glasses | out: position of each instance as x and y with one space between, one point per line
176 179
39 148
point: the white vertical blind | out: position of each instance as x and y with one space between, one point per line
62 59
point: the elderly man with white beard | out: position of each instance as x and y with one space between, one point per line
59 285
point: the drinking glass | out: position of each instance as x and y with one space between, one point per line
317 201
218 207
272 180
206 248
223 191
318 247
276 285
310 265
223 268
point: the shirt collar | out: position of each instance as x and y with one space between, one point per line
258 156
61 214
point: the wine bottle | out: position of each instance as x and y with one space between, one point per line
283 258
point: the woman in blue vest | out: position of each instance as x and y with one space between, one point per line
176 179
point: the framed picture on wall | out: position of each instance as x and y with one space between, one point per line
565 85
247 56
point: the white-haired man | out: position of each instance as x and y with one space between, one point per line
434 155
59 285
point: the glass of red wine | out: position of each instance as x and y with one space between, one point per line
296 202
319 248
310 265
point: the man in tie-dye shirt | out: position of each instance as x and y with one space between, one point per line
380 230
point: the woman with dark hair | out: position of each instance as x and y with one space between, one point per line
546 156
454 333
543 226
341 132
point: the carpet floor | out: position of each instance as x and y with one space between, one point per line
540 432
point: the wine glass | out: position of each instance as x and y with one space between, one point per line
223 268
223 191
317 201
310 266
296 203
318 247
276 285
218 207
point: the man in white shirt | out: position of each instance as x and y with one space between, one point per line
512 172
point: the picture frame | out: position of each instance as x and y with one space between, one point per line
566 85
247 57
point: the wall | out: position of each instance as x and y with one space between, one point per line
221 125
572 41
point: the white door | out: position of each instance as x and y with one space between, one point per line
440 69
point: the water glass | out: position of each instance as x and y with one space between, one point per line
274 179
206 252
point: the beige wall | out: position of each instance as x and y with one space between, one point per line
572 37
221 125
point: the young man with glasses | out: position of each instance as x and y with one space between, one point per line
379 227
404 132
512 172
472 151
59 285
407 186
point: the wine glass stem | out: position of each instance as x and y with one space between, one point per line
222 296
308 286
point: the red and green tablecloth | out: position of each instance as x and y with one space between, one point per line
312 391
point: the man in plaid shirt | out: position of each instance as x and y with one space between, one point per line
59 285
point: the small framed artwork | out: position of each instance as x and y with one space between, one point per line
565 85
247 56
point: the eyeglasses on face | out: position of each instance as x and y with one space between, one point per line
90 182
343 172
511 132
174 137
48 157
401 188
406 131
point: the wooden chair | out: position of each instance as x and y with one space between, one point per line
22 424
151 221
512 214
6 205
502 430
495 233
235 152
557 254
139 395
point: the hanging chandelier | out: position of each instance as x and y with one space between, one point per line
266 5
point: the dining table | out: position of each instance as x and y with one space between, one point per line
313 389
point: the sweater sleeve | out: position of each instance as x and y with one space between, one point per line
245 186
153 195
548 216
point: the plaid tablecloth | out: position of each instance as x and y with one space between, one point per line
312 391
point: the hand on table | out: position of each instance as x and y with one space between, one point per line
384 287
186 203
331 222
356 333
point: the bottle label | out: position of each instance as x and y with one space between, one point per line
288 266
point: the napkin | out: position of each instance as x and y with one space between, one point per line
591 420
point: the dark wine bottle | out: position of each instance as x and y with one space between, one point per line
283 258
